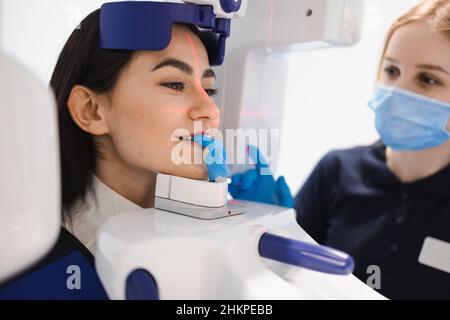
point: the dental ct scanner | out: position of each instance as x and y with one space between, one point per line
195 243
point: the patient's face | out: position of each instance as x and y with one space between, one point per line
417 59
158 93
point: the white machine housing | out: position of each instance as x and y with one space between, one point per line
29 170
193 259
219 259
253 80
218 10
198 199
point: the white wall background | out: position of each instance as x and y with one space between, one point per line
34 32
327 93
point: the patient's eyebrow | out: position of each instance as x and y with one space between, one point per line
184 67
209 74
180 65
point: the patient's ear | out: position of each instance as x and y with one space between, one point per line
87 111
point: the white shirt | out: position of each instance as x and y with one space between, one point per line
101 204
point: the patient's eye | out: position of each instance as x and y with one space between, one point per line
392 72
177 86
211 92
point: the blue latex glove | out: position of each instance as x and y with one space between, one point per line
255 186
216 160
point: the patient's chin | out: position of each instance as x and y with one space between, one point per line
186 161
195 172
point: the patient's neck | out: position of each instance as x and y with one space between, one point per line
131 182
414 166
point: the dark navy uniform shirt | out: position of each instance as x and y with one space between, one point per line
354 203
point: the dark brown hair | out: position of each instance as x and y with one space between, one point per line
82 62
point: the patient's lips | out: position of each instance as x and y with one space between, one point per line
191 136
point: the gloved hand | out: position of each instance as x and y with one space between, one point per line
255 186
216 160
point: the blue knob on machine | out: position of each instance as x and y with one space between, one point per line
230 6
140 285
306 255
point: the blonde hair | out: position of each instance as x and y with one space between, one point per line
435 12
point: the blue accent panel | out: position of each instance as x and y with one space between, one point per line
50 282
145 25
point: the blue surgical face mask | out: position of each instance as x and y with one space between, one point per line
407 121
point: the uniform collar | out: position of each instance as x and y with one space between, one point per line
377 174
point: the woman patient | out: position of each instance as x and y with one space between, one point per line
119 112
